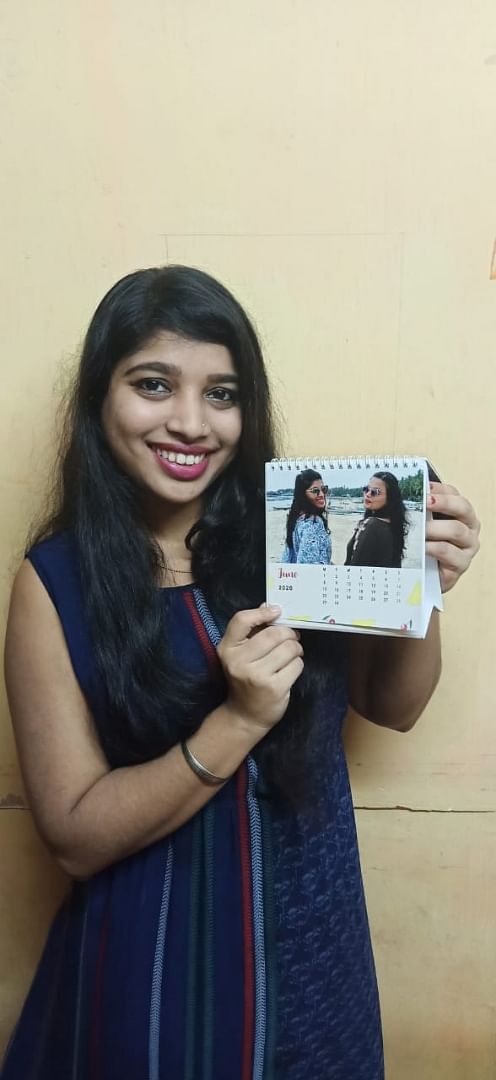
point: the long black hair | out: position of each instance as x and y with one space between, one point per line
301 504
151 703
394 509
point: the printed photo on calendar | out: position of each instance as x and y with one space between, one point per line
346 540
347 514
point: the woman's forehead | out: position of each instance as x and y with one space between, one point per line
178 355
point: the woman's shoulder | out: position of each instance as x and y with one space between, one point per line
375 524
62 540
58 547
56 562
310 523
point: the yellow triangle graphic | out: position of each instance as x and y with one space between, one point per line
415 597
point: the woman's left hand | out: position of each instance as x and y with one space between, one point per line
455 540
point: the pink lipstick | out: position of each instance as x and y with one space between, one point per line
181 463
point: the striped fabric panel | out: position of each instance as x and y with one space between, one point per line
193 602
79 997
208 822
247 917
270 942
214 634
157 973
50 1003
96 1027
193 931
257 875
252 888
202 859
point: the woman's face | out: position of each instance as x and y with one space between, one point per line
316 494
172 418
375 494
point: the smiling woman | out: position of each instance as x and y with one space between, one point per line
182 763
172 421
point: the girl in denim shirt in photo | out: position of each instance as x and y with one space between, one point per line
308 539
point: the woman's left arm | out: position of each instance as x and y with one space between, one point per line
392 679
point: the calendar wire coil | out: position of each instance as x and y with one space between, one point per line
367 461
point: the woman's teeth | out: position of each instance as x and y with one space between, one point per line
180 459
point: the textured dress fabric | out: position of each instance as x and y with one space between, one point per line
236 948
311 542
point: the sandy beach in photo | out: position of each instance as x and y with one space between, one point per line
342 527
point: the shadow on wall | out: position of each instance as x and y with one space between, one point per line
358 734
455 1052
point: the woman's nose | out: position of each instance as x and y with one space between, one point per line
187 418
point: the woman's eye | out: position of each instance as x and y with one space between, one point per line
222 396
152 386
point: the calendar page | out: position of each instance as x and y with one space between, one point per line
346 544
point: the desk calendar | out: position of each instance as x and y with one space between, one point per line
346 544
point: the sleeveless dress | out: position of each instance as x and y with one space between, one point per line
236 948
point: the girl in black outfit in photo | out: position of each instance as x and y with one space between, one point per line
380 536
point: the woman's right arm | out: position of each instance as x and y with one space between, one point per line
89 815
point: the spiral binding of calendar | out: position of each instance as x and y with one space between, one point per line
364 461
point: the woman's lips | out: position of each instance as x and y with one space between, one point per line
185 468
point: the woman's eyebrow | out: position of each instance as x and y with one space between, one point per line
155 365
172 369
229 376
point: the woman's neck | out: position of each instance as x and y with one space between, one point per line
377 514
169 525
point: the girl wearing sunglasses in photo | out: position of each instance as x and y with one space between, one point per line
308 539
380 536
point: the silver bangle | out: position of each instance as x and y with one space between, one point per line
199 770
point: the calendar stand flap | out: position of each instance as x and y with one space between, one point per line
433 598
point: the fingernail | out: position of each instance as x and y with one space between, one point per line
274 607
431 500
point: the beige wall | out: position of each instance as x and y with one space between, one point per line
335 164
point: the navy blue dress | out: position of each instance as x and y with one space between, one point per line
237 948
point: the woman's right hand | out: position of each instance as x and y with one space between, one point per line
260 662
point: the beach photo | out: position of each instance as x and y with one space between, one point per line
346 513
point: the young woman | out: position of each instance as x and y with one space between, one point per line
307 536
181 751
380 536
